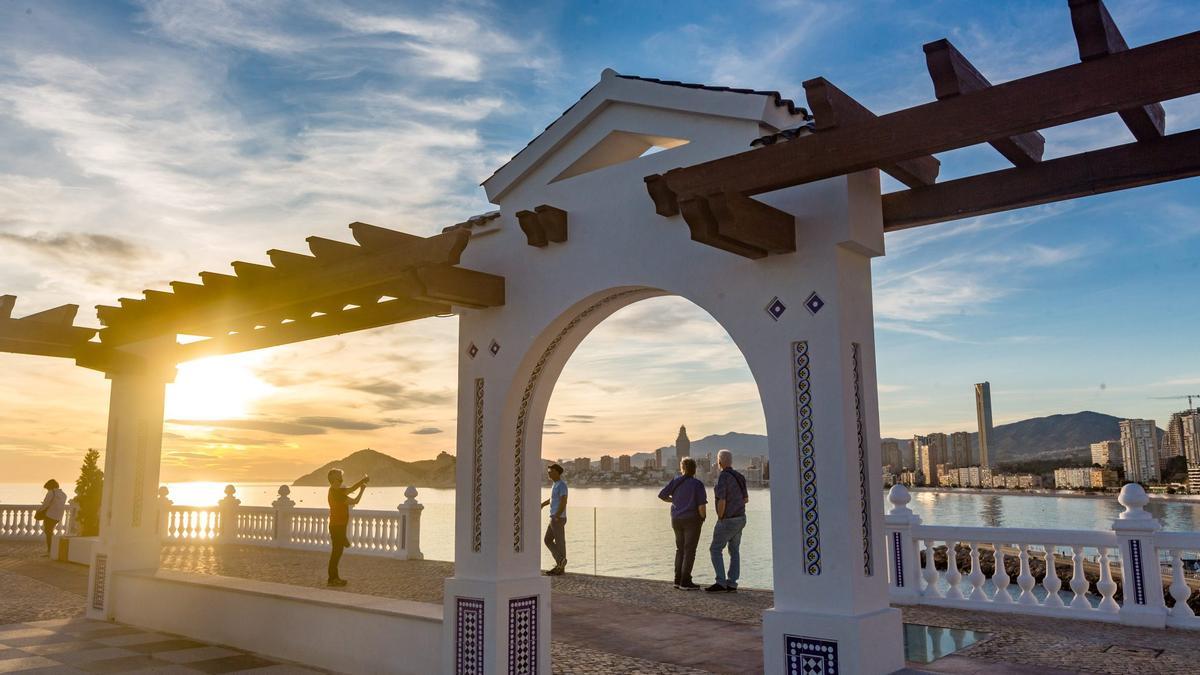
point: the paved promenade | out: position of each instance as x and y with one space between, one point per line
609 625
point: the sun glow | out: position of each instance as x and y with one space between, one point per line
218 388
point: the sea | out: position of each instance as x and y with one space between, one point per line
626 532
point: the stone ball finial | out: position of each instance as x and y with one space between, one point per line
230 490
899 497
1134 498
284 491
283 502
410 492
163 491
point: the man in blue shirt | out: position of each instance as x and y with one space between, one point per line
686 495
731 497
556 539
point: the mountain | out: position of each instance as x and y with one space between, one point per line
1050 435
387 471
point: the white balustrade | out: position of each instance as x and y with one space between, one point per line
1144 558
17 522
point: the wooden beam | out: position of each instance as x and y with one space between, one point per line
1160 71
7 302
1098 36
459 286
953 75
664 200
43 334
833 108
1090 173
333 323
63 315
741 225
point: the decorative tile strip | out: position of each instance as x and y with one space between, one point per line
477 471
1135 559
808 460
523 636
864 495
468 636
898 559
810 656
139 474
99 577
527 396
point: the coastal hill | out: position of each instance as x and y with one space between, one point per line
387 471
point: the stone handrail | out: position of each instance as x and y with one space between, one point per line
1115 575
17 522
395 534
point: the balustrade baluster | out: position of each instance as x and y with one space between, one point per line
1025 579
1106 585
1000 578
953 575
930 571
1079 582
976 577
1051 582
1180 590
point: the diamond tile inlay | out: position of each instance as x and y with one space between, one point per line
494 348
814 303
810 656
472 350
776 308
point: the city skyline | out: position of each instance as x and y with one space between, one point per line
146 142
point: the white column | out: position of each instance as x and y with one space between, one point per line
1141 576
903 565
831 583
163 512
128 537
410 530
228 507
283 517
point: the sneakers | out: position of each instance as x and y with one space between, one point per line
336 583
688 586
557 570
716 588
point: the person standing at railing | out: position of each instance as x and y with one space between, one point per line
54 506
730 497
686 495
556 531
340 502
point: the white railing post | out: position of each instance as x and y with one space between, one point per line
1141 576
164 513
410 527
283 517
71 528
228 509
904 567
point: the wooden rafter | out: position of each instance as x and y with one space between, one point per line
45 333
1097 36
1126 166
277 301
1123 80
953 75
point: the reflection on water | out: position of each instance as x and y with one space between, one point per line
925 644
992 511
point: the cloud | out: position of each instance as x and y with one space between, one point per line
339 423
401 396
285 428
68 245
426 431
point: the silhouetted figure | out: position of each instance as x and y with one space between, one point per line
686 494
54 505
556 531
730 499
340 502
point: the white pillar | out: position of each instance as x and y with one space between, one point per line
903 565
228 508
410 530
1141 575
164 513
831 588
283 517
128 518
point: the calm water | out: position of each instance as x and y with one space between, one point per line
632 530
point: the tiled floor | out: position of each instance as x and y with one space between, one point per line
84 646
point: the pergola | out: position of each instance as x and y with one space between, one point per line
810 189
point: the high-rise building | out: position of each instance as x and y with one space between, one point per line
1189 426
1172 445
1107 452
1086 477
960 449
890 450
624 464
606 463
983 412
1139 451
683 446
583 464
909 456
658 459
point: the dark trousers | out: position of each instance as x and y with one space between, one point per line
48 528
687 535
556 540
338 543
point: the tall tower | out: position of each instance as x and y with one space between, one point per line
683 446
983 411
1139 447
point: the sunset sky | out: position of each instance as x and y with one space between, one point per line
142 143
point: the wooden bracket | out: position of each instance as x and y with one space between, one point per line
665 203
953 75
738 224
833 108
1098 36
543 225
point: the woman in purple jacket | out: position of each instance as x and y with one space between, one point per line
686 494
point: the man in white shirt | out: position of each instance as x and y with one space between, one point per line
556 539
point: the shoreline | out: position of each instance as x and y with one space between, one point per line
1068 494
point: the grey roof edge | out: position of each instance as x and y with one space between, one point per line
473 222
